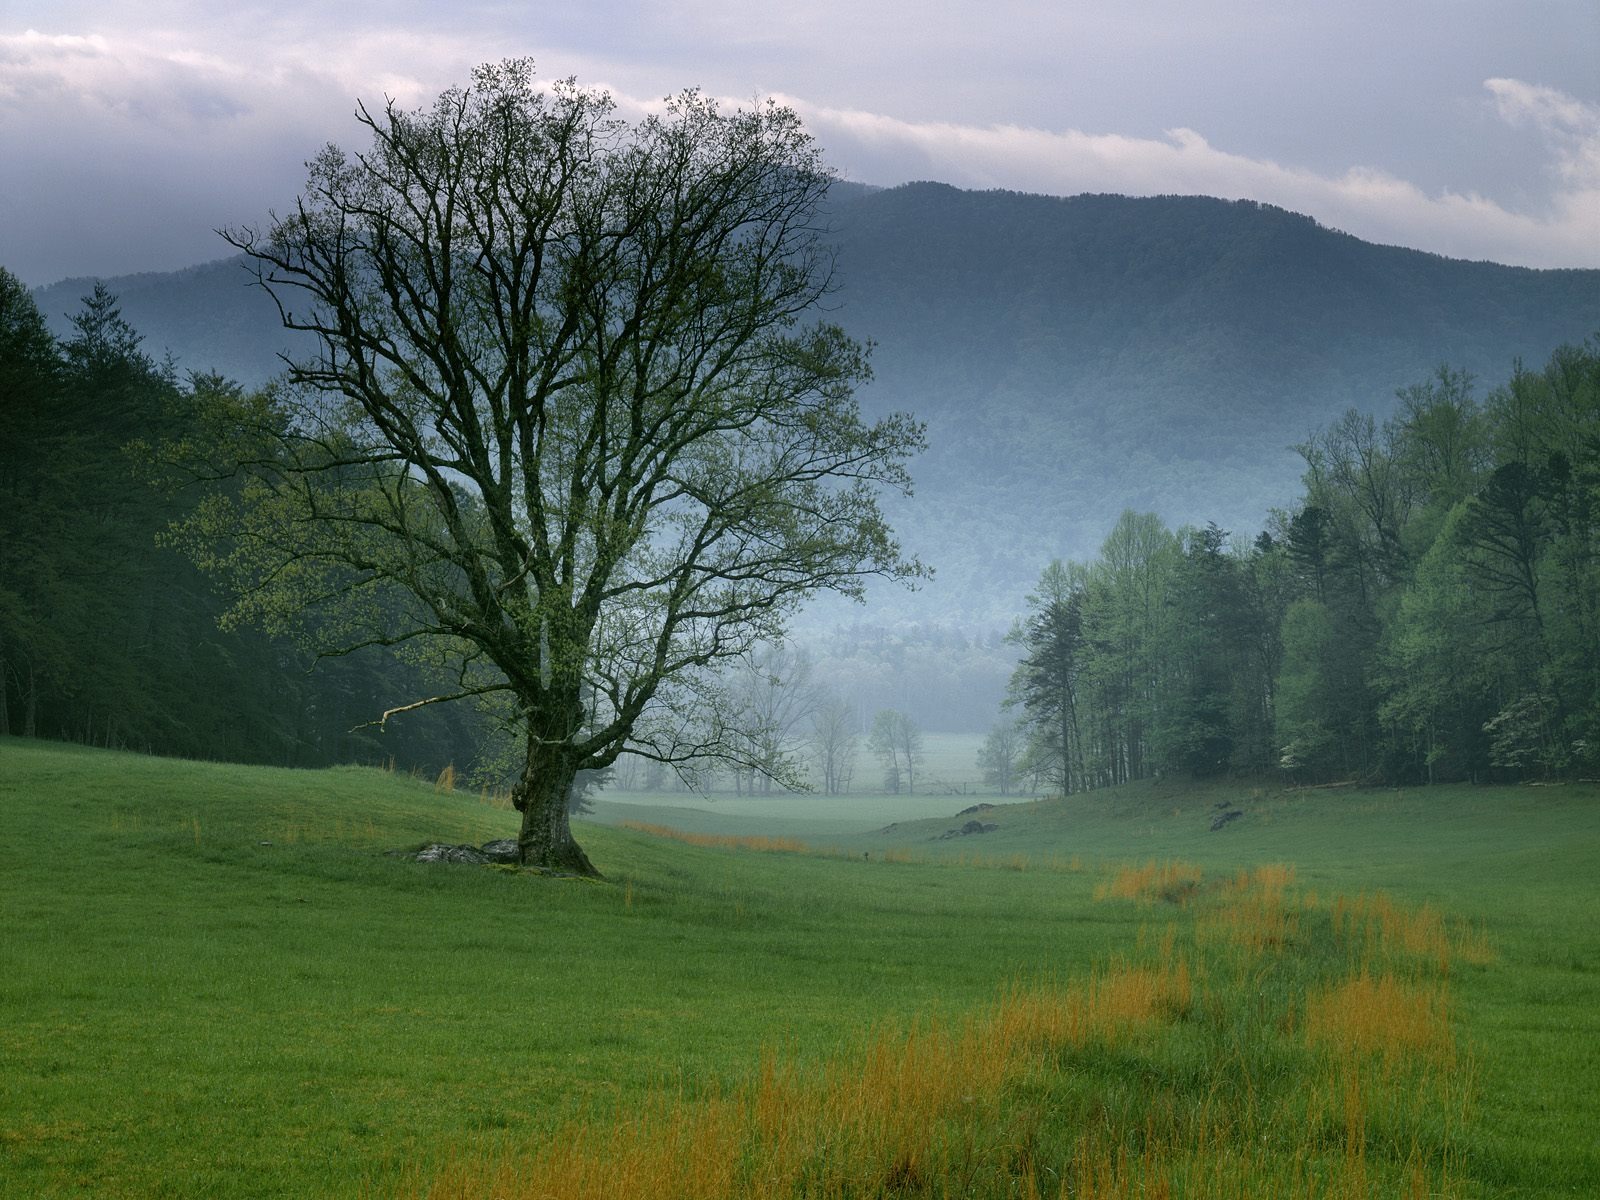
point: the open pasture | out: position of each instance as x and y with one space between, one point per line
215 982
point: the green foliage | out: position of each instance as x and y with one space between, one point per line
1427 612
1308 691
1438 665
1159 656
1046 682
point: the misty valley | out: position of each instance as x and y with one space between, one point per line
590 657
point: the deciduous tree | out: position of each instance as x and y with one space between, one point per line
1000 756
570 416
834 742
897 742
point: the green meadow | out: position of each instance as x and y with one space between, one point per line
215 981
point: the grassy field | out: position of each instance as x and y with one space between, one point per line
213 981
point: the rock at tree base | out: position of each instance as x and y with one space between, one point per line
502 850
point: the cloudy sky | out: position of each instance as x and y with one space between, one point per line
129 131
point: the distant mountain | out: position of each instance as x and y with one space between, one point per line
1072 357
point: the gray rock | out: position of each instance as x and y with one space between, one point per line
439 852
503 850
1221 819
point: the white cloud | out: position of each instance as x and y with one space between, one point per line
1570 127
45 75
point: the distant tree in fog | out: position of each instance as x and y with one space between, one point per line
834 742
1000 757
897 742
775 699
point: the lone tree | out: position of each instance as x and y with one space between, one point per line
569 425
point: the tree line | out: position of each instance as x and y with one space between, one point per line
1428 610
108 634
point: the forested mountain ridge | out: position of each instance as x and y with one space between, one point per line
1073 357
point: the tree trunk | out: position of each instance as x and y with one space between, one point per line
542 796
5 712
30 707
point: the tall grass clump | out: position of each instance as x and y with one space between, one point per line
1255 912
1173 882
1380 1015
1375 927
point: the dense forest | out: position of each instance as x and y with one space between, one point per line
1428 610
110 637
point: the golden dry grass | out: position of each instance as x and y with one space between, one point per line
1380 1015
1172 881
1255 911
1375 928
1111 1004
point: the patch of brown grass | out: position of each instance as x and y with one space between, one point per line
1174 882
722 841
1376 929
1255 911
1380 1015
1109 1006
